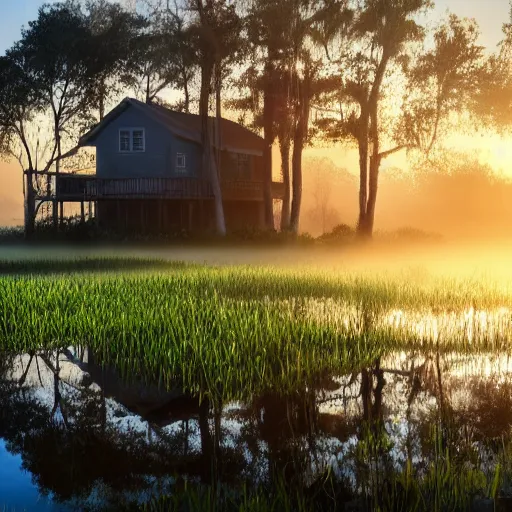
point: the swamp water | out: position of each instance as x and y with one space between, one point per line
74 437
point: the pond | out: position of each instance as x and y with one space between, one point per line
73 436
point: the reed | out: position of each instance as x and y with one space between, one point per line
235 331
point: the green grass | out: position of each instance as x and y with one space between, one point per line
235 331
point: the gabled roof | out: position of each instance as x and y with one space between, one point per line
234 137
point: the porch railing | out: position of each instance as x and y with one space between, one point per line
74 187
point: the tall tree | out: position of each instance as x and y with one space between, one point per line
165 54
115 35
217 28
56 48
285 34
383 29
391 95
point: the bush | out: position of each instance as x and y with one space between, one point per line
340 233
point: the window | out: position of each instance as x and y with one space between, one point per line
181 163
132 140
244 167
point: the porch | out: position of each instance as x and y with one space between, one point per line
77 188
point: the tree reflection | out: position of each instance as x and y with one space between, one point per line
365 436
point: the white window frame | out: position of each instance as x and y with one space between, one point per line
131 131
181 169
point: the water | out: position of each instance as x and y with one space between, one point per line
71 440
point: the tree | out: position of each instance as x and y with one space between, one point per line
493 102
283 35
216 27
380 68
164 55
115 35
444 81
20 102
56 48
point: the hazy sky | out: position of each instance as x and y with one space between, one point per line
490 14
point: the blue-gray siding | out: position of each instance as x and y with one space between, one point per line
159 157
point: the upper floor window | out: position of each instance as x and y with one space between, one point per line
132 140
181 163
244 166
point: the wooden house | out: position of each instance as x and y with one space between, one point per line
149 174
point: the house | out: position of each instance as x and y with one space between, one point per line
149 173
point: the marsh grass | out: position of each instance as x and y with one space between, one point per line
235 331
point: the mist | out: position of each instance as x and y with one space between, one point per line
469 200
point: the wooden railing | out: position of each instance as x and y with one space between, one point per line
90 188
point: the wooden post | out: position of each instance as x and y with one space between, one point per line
160 216
190 215
166 216
82 212
90 210
118 215
61 213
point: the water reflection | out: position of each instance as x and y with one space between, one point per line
89 441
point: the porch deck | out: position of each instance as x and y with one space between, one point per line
78 188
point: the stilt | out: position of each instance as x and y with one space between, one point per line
160 216
82 212
118 214
61 213
190 216
166 216
55 214
90 210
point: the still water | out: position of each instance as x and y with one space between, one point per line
75 437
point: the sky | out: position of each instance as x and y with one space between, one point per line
490 15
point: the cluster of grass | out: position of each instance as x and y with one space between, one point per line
447 481
228 331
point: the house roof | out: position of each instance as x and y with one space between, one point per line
234 137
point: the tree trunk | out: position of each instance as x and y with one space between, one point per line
284 146
30 204
209 164
101 106
187 93
148 91
372 196
206 442
363 172
366 227
269 136
298 146
301 130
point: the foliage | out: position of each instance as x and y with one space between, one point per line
339 234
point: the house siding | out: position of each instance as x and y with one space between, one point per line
159 157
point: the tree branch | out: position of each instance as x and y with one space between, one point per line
389 152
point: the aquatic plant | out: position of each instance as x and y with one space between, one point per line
232 332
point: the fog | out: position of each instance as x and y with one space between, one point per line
468 201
